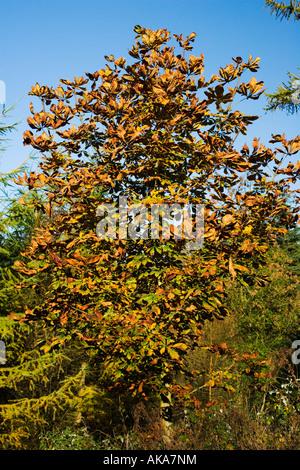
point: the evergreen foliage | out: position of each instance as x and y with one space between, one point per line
287 96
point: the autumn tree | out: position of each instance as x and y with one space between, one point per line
155 131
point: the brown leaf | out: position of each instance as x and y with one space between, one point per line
56 259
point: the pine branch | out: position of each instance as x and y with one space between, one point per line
283 10
4 130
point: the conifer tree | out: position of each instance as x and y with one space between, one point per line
287 95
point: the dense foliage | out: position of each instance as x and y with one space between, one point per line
129 341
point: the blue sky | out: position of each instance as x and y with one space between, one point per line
43 41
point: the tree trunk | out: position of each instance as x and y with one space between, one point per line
166 415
